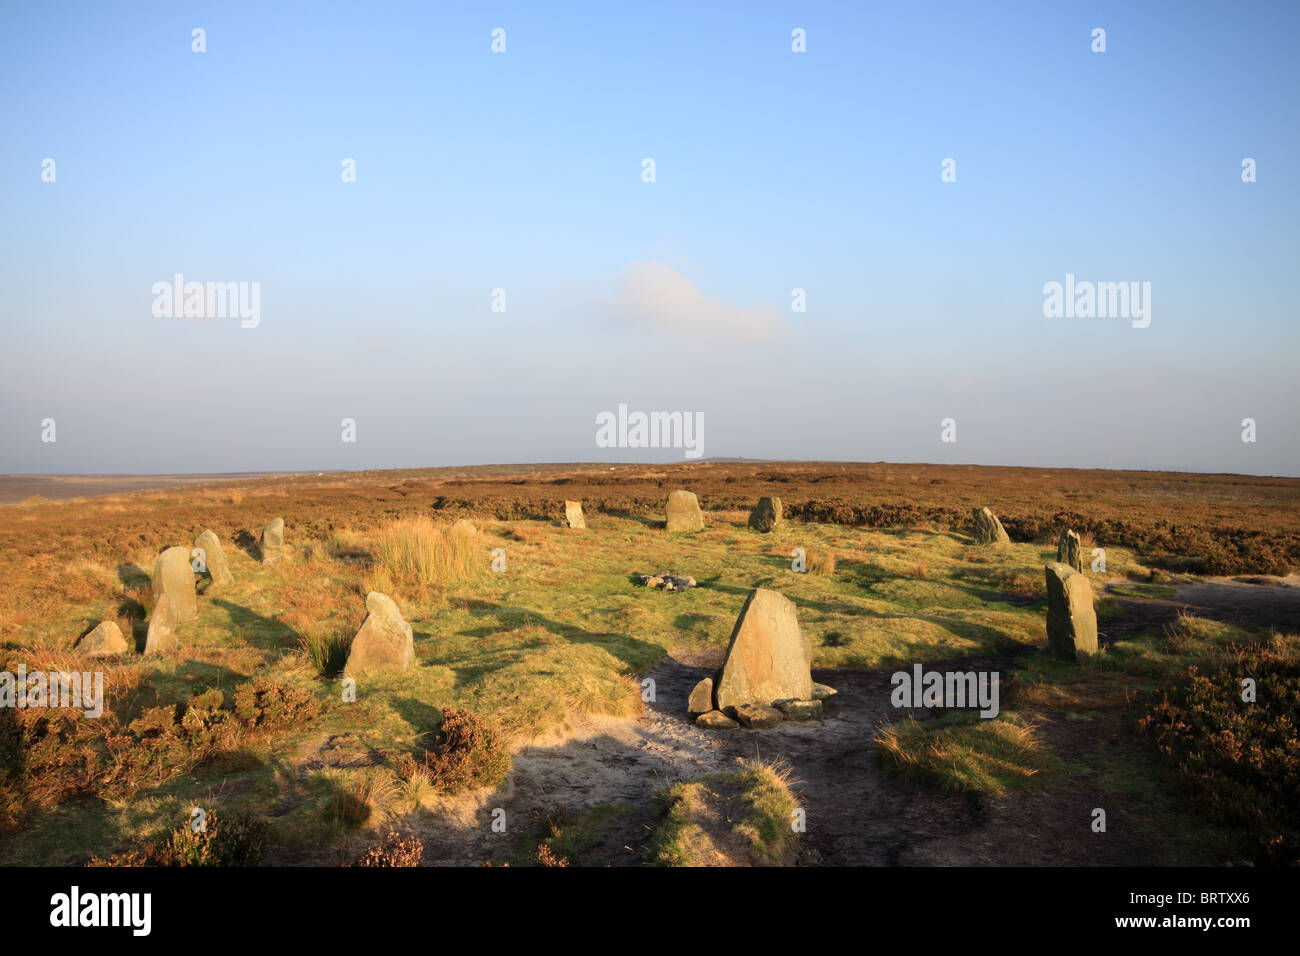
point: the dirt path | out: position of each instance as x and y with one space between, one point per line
1260 601
854 815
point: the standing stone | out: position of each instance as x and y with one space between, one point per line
988 529
766 514
273 543
385 641
215 558
684 512
104 641
464 526
1069 550
162 628
573 514
173 577
769 657
1071 619
701 699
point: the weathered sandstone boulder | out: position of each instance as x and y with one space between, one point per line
769 657
104 641
988 529
385 641
173 577
822 692
214 557
715 720
1069 550
684 512
273 542
767 514
757 716
701 699
800 709
1071 619
161 637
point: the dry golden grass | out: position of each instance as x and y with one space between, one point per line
823 565
420 553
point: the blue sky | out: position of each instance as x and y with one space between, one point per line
522 171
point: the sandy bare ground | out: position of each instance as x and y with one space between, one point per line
856 815
1256 602
851 817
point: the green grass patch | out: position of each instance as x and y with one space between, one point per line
1144 590
958 753
741 818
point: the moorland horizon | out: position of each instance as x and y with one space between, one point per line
579 463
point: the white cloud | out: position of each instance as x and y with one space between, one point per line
659 296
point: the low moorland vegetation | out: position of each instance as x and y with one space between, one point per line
249 722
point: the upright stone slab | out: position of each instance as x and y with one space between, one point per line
1069 550
1071 619
173 577
464 526
104 641
684 512
573 514
385 641
769 657
273 542
162 628
767 514
214 558
988 529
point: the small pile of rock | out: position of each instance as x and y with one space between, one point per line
666 581
766 677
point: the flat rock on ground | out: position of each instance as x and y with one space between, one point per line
758 716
